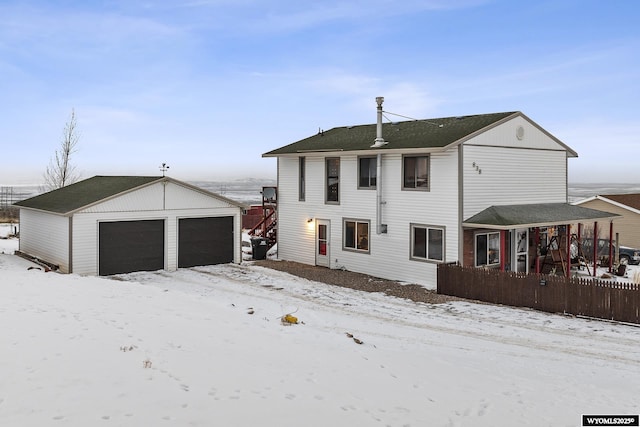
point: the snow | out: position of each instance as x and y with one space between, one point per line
182 349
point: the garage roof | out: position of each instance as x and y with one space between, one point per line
534 215
71 198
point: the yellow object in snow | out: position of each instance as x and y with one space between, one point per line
287 318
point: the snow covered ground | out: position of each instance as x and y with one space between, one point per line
205 346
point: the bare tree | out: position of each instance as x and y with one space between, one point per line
61 171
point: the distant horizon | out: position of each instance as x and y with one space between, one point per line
245 178
210 86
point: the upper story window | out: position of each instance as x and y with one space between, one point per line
367 172
301 178
427 243
332 192
415 170
487 249
356 235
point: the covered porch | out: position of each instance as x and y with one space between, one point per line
535 238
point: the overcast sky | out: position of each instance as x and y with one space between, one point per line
207 86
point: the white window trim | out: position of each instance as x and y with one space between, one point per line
326 181
302 179
475 248
344 235
428 187
371 187
412 227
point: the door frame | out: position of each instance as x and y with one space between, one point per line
520 250
323 260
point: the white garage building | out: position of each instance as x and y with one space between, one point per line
118 224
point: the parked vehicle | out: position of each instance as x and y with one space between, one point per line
627 255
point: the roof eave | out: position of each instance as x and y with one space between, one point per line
43 210
534 225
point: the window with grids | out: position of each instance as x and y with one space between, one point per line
427 243
415 171
333 180
301 179
356 235
367 172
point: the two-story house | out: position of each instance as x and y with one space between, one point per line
394 199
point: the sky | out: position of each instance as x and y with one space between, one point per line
208 86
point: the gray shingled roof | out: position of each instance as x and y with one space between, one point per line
84 193
431 133
535 215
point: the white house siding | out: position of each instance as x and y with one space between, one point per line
147 203
389 253
506 176
504 135
146 198
85 234
45 236
159 196
296 237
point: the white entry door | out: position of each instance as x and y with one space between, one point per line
323 231
521 250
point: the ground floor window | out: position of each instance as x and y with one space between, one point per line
356 235
487 249
427 243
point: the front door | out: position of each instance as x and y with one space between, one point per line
323 231
521 250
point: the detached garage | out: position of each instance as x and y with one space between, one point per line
119 224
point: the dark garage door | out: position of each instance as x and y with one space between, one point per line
205 241
126 246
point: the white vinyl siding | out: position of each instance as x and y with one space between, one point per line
85 233
299 242
513 171
510 176
45 236
389 254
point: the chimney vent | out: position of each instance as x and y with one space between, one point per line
379 141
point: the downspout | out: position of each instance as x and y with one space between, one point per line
380 228
377 143
70 255
460 205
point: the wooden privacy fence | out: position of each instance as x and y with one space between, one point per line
583 296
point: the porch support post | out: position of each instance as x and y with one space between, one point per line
580 232
537 243
610 246
503 249
568 272
595 248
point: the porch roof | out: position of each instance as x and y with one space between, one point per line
534 215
